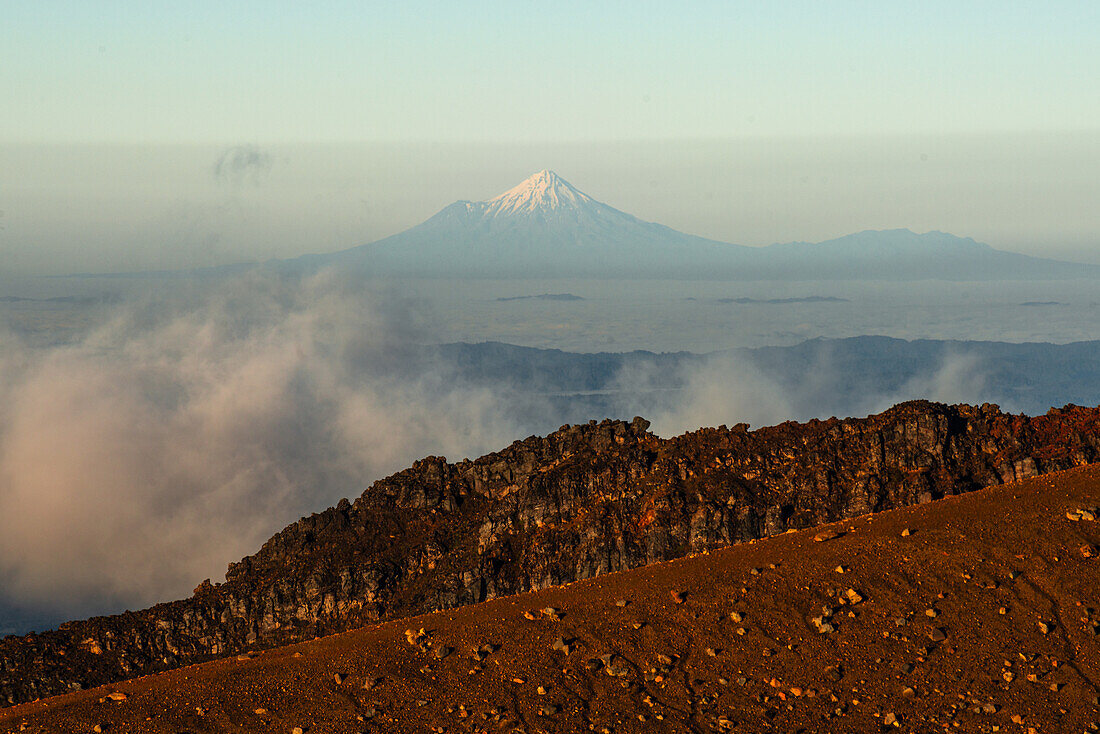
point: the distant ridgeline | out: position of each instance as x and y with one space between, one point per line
547 228
583 501
854 376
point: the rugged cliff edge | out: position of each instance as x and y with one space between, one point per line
580 502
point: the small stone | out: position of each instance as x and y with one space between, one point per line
1002 610
890 720
339 678
931 613
528 615
621 603
1044 627
296 730
908 692
840 569
937 635
441 652
827 534
116 696
97 729
736 616
677 596
905 533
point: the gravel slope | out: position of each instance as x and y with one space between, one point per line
679 660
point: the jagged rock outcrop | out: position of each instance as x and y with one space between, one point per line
585 500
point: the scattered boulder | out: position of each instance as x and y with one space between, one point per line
828 534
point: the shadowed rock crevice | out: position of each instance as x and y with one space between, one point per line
583 501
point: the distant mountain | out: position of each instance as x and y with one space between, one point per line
547 228
542 228
899 254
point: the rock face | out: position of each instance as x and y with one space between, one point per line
583 501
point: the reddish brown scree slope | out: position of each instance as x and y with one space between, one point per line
974 613
584 501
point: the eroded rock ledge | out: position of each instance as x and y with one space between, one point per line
585 500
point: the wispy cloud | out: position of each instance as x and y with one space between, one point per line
242 164
180 435
182 432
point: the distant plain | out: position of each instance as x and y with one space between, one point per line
653 315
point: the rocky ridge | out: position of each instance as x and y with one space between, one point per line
583 501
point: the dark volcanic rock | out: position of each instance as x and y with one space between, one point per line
583 501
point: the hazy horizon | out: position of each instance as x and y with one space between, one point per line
153 430
140 138
111 208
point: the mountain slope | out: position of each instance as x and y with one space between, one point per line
581 502
547 228
543 227
900 254
637 661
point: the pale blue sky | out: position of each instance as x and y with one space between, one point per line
748 122
496 70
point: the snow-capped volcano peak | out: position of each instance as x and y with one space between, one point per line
542 191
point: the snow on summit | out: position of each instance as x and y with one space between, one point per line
542 191
546 228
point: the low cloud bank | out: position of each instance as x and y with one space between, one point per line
728 389
184 430
180 434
